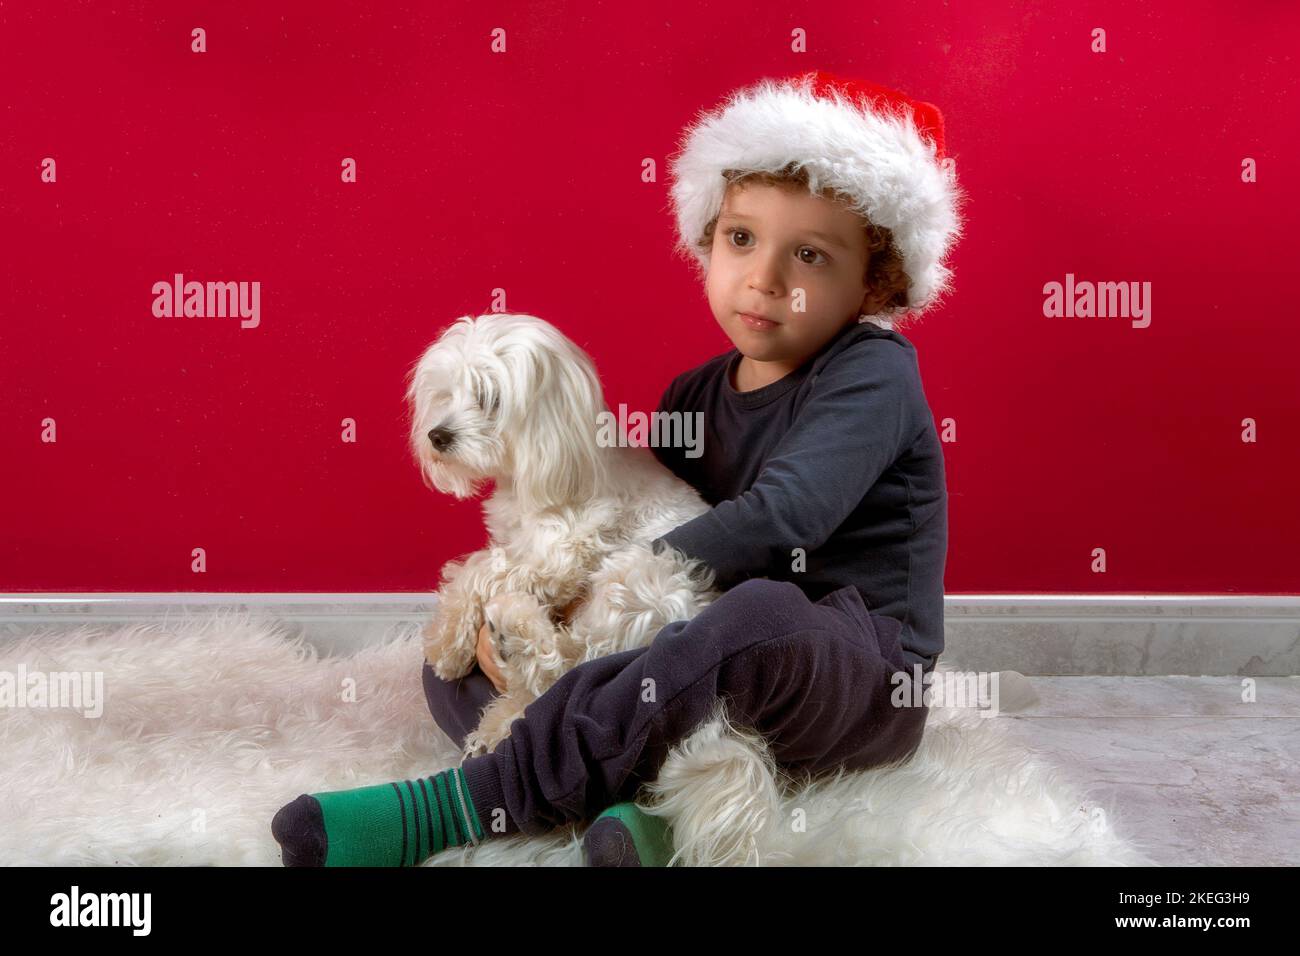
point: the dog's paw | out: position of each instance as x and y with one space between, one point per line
513 619
498 643
513 647
451 639
475 745
484 738
450 670
494 723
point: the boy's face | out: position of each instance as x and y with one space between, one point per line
771 241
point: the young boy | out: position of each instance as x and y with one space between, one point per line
810 206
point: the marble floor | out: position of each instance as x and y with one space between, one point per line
1195 774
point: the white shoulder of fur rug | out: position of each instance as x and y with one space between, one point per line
211 724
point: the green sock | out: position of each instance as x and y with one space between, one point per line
393 824
625 835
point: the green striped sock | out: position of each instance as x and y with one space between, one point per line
393 824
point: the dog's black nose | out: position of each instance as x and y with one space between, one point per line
440 438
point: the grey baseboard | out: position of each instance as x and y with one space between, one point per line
335 623
1139 635
1120 634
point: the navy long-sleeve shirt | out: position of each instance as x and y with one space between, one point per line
841 459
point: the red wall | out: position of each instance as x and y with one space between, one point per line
522 171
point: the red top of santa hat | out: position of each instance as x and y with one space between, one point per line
926 116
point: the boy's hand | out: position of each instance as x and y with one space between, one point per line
487 659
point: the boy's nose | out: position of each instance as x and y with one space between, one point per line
765 277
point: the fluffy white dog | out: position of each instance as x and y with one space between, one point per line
511 399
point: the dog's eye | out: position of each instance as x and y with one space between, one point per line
482 400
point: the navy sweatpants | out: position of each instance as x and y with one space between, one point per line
814 678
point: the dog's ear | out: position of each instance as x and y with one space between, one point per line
557 459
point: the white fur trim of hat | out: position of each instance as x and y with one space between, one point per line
878 147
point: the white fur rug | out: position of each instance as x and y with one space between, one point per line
212 724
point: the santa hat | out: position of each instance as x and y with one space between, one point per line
877 146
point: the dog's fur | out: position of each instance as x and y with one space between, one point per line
508 397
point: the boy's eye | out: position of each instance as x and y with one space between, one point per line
732 233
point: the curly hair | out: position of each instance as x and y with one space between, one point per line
884 274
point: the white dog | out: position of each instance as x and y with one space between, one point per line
510 398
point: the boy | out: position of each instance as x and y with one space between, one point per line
808 205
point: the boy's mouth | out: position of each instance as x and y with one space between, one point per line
757 322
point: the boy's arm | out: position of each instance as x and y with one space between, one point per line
863 412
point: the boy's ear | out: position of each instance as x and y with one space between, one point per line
871 303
